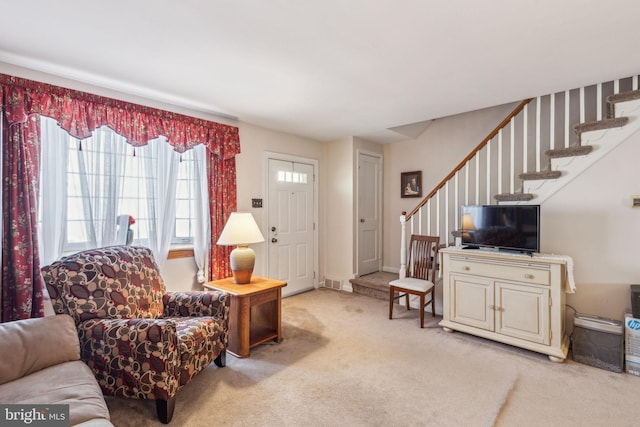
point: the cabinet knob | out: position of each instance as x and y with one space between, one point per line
466 268
529 276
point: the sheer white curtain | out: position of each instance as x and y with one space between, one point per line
161 172
202 223
85 191
53 192
101 168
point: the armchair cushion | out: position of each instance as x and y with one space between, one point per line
115 282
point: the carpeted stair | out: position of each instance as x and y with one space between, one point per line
375 285
576 150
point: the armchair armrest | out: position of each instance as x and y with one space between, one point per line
186 304
132 357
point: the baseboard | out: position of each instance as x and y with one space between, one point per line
391 270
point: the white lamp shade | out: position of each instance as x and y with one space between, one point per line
240 229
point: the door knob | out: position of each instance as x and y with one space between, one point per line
274 240
361 219
273 229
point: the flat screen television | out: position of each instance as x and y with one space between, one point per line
502 227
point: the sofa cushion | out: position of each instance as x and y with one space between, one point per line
120 282
30 345
69 383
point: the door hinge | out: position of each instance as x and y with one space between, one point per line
550 300
314 274
314 226
550 334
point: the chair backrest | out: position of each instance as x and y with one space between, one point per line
121 282
423 257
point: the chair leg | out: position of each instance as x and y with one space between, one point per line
407 300
391 292
422 310
164 409
433 304
221 360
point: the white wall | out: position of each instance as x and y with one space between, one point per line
436 152
591 219
339 210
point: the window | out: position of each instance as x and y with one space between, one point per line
186 198
87 184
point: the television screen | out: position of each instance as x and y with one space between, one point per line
506 227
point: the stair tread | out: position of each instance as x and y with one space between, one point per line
529 176
600 124
575 150
514 197
623 97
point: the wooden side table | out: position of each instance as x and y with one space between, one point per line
255 312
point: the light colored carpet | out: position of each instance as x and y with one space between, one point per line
342 362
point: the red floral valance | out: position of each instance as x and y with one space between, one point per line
80 113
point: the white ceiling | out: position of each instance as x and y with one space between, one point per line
331 68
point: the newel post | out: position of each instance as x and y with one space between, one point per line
403 246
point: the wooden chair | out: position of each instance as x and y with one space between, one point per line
420 274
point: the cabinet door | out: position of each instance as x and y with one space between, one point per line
471 299
522 312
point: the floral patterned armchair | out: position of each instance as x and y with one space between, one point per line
139 340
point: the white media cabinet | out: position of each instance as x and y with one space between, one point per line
515 299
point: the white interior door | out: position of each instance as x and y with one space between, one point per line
369 211
291 225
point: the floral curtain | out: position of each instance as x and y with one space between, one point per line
222 201
80 113
22 287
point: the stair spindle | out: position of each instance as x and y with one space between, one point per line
512 155
567 119
477 178
525 138
500 161
582 113
538 132
489 173
598 102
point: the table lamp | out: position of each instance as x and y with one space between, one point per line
241 230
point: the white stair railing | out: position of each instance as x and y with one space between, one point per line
517 145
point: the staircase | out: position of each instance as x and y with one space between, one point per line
542 145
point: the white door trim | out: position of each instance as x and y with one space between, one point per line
357 209
268 155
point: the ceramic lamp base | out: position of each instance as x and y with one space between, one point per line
242 260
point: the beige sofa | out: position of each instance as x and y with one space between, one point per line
41 364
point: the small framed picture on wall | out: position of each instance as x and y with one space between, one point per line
411 184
